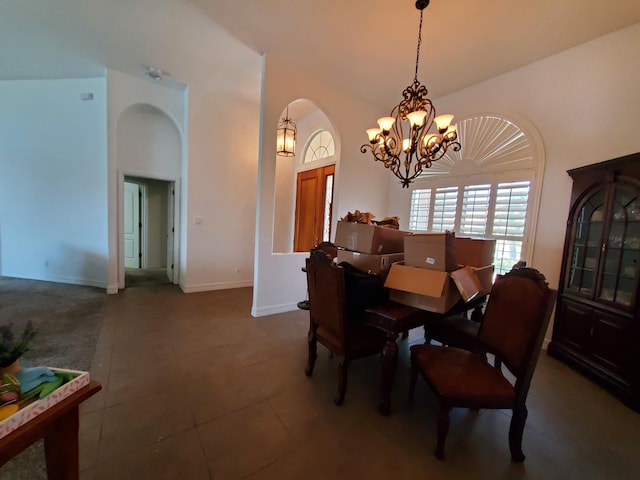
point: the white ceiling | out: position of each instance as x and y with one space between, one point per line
366 47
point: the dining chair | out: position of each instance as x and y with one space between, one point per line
461 330
329 249
332 323
513 328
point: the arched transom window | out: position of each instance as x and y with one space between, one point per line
320 146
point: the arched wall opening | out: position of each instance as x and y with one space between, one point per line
310 119
149 149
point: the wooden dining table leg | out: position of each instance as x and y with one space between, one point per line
388 365
61 447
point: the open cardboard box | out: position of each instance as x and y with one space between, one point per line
434 290
35 408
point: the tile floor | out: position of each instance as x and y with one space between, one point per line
195 388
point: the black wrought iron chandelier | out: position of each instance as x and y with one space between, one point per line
407 156
286 137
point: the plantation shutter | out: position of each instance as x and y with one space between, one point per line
509 222
511 209
444 209
475 209
420 206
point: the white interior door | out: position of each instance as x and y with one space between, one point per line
131 225
170 229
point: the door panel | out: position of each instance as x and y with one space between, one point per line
131 225
310 207
170 230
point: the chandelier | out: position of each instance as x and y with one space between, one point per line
402 141
286 137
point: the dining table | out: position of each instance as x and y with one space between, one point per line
395 319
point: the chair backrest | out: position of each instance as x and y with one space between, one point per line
327 247
327 297
516 320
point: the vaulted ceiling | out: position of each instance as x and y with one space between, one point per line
366 47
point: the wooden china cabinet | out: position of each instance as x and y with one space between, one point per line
597 323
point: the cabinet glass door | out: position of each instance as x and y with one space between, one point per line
622 247
587 244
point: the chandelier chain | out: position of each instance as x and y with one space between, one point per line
415 78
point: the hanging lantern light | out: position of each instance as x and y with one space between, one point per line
286 137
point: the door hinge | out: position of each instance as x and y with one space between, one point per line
140 255
172 266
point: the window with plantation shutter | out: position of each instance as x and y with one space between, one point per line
512 200
511 208
444 209
419 215
485 190
475 209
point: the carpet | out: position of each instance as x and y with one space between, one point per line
68 319
145 277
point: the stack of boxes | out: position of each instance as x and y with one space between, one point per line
440 269
368 247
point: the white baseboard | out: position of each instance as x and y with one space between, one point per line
274 309
206 287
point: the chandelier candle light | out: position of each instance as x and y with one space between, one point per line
407 156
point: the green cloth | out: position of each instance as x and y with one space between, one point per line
44 389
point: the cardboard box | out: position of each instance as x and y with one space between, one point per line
379 264
430 290
475 251
365 238
472 282
433 251
34 409
434 290
485 275
467 283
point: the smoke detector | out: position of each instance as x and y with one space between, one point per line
155 73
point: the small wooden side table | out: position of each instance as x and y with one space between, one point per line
59 427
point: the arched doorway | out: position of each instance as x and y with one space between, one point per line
149 162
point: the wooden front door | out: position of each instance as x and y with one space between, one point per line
314 199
